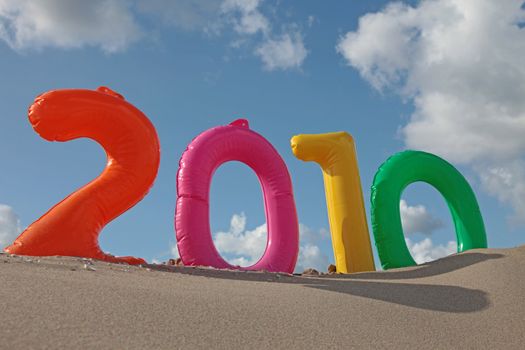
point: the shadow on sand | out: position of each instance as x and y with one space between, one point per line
442 298
434 268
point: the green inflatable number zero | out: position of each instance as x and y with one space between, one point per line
399 171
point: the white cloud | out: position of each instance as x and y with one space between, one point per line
308 235
245 247
416 219
311 256
241 261
9 226
174 251
283 53
311 20
507 183
184 14
108 24
277 52
245 16
426 251
460 62
241 242
113 25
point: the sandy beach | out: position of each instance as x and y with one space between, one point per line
470 300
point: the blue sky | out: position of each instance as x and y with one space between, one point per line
387 74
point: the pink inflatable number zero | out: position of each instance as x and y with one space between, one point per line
234 142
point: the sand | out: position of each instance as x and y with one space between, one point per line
471 300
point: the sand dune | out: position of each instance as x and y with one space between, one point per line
470 300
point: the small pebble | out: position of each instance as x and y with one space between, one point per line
175 262
89 267
311 272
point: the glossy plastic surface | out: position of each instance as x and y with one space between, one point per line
399 171
335 153
72 226
234 142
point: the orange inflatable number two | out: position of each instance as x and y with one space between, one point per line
72 226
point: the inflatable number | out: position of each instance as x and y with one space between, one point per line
72 226
198 163
393 177
335 153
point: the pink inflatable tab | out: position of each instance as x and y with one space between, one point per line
215 146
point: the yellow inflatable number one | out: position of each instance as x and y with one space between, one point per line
335 153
